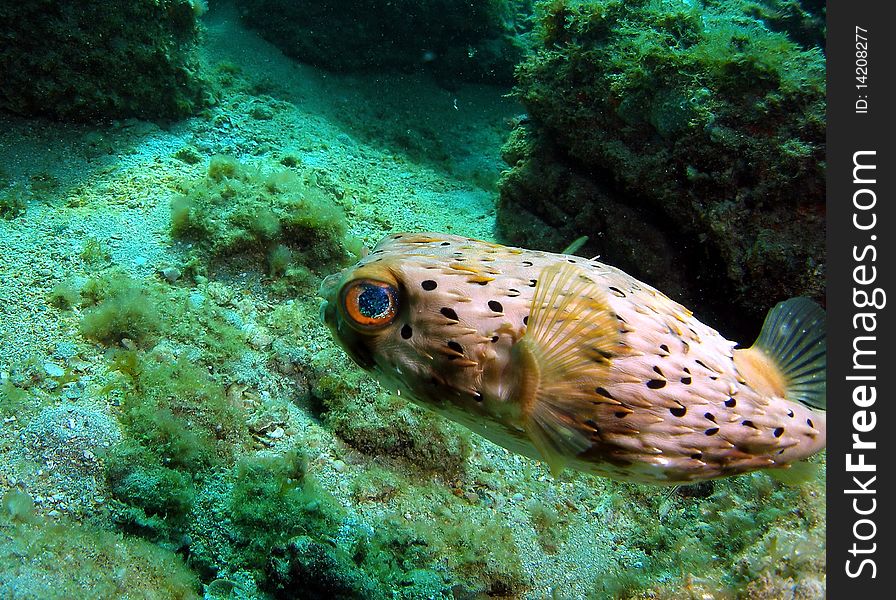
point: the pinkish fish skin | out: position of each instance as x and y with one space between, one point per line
614 378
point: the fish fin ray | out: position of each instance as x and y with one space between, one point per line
576 244
793 336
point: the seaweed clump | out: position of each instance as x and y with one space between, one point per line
691 130
279 220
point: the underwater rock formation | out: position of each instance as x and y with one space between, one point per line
88 60
674 135
458 41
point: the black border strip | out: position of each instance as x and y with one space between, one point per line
861 260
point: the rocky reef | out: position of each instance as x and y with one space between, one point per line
89 60
457 41
687 140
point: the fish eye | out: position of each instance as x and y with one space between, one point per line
370 304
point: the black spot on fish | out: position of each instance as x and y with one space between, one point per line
678 411
730 402
429 285
495 339
533 282
456 347
621 414
702 364
657 371
748 423
711 431
789 413
590 423
445 244
656 384
477 397
809 423
664 348
513 293
495 306
449 313
482 282
686 380
407 332
697 455
607 354
526 320
603 392
709 416
778 432
617 292
570 260
685 347
527 263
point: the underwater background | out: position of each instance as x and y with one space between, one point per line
177 177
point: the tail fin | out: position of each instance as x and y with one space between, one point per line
793 338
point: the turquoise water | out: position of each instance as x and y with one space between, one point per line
176 180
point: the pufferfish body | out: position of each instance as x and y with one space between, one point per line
576 363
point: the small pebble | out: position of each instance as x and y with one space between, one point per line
196 300
141 261
171 274
53 370
276 434
517 497
339 465
65 350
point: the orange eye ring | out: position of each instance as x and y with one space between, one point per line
369 304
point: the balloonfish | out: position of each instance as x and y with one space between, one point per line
576 363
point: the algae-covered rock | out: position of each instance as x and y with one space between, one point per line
686 140
456 40
41 558
88 60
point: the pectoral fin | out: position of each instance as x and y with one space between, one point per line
562 359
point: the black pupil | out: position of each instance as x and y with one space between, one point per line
374 302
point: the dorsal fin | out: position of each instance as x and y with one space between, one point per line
790 354
565 355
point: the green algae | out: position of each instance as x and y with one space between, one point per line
45 559
117 309
279 219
